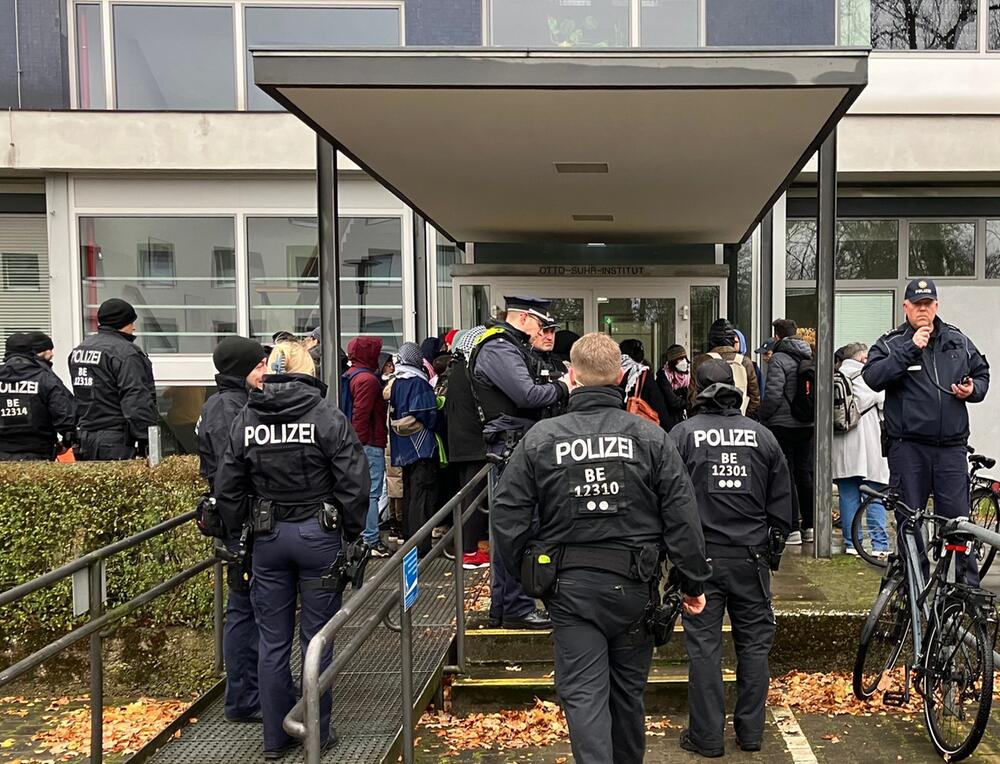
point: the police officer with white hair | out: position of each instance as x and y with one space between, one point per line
611 496
296 471
744 499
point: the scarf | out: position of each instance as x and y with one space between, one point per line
676 378
633 370
411 362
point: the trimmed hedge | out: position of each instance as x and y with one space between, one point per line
52 513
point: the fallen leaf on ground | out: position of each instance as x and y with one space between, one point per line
832 694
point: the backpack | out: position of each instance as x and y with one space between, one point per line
634 404
846 414
346 399
803 403
739 377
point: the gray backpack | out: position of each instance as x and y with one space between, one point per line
846 414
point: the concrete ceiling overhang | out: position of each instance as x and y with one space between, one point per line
613 146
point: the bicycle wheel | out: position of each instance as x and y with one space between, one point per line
861 534
958 682
985 513
882 638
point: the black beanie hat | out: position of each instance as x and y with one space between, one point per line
18 342
712 371
237 356
40 342
116 313
721 333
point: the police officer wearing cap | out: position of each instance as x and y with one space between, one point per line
37 412
509 399
293 451
929 371
241 364
744 498
114 388
584 511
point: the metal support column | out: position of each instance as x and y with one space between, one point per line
765 269
329 264
96 592
459 541
730 256
825 283
421 302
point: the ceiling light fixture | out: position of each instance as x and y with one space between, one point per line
581 167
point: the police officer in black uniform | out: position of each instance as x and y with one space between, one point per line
744 497
242 364
510 399
114 387
929 371
611 495
36 409
42 347
296 454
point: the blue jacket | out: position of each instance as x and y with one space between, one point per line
917 407
412 396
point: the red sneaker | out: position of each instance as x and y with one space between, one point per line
475 561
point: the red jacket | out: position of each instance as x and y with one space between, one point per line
368 413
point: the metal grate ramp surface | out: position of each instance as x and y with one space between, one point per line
367 711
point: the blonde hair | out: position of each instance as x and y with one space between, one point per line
596 359
290 358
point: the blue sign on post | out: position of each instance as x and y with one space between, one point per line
410 587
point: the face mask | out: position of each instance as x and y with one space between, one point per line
683 366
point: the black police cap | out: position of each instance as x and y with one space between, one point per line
921 289
533 306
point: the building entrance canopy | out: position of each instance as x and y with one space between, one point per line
525 146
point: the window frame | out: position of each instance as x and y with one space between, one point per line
4 273
977 262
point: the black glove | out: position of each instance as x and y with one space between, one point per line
207 517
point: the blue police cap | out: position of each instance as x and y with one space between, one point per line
921 289
533 306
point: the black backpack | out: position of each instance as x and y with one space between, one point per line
803 402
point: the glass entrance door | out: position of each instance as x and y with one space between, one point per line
657 317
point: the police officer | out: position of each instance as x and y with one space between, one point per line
611 495
114 387
241 364
36 409
744 496
509 401
548 368
929 371
42 347
297 455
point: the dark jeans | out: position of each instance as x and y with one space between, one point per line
735 586
477 527
419 497
603 651
282 560
104 446
917 471
798 445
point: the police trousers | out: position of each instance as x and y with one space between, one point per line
917 471
603 651
282 560
104 446
239 645
507 598
741 586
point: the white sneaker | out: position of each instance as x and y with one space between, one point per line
794 539
851 551
808 534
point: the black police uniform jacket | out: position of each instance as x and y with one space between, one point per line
603 477
35 406
916 406
113 384
739 473
296 448
217 417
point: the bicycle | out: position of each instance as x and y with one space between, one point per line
984 510
951 629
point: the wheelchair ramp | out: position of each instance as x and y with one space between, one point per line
366 698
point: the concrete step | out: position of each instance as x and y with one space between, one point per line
487 688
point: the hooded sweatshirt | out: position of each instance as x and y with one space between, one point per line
780 383
365 383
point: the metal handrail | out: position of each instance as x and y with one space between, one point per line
302 721
99 619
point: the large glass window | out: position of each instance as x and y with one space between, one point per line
179 409
284 277
669 23
652 321
859 316
770 22
8 57
925 24
705 309
856 22
942 249
174 57
993 249
90 57
866 249
164 267
994 31
744 289
447 254
321 27
560 23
